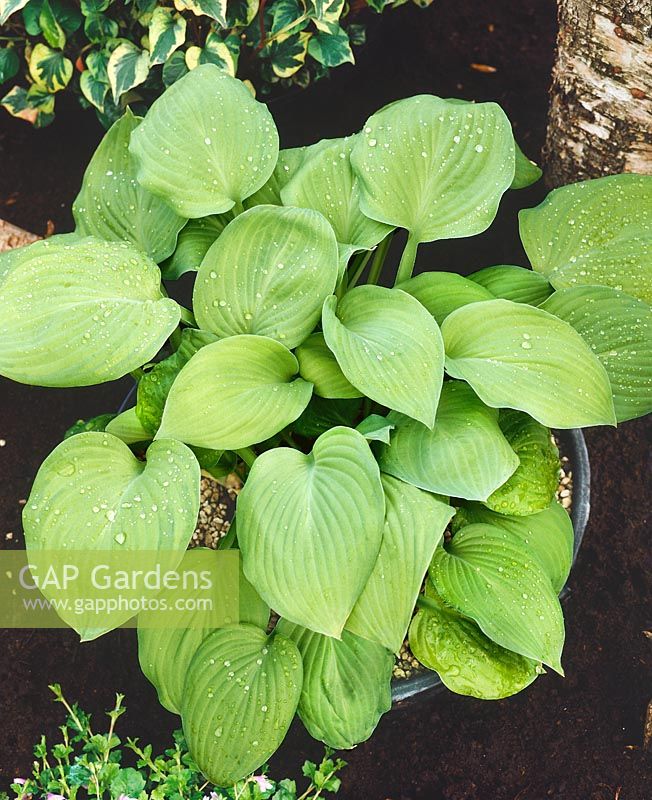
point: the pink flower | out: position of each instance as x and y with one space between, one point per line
21 781
263 783
51 796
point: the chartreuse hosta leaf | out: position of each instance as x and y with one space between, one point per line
346 685
205 144
548 535
464 455
154 386
289 161
165 653
443 292
532 487
389 347
514 283
193 243
491 576
327 183
241 692
212 404
79 312
414 526
128 427
618 328
268 274
310 528
436 168
594 232
93 495
318 365
375 428
526 172
466 660
112 205
517 356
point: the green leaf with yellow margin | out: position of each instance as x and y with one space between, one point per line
167 32
128 67
50 68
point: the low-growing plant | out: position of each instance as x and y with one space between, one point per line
114 54
86 763
367 419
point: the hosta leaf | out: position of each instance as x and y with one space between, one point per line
128 67
464 455
242 689
346 685
513 283
594 232
318 365
83 312
618 328
310 527
331 47
234 393
288 163
50 68
489 575
321 415
466 660
526 172
98 423
165 654
532 487
517 356
268 274
326 182
113 206
167 31
436 168
127 506
128 427
155 384
192 245
389 347
548 535
205 144
375 428
443 292
9 7
414 526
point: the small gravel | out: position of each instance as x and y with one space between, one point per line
216 507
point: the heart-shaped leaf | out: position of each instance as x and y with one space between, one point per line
318 365
526 172
74 314
326 182
548 535
93 495
490 575
618 328
346 685
436 168
310 528
466 660
288 163
112 205
513 283
594 232
414 526
389 347
193 244
517 356
241 691
532 487
464 455
268 274
442 292
205 144
234 393
167 31
375 428
127 427
165 654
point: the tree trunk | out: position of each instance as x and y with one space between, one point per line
600 117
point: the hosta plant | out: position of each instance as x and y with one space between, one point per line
112 54
394 440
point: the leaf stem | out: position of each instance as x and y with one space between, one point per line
188 318
428 604
407 259
358 267
248 455
379 259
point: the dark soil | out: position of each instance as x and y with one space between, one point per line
577 738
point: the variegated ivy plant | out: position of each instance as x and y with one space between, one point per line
113 54
368 418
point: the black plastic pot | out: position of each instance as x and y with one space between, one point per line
573 446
